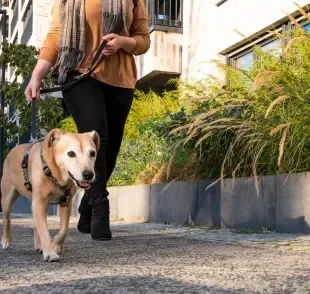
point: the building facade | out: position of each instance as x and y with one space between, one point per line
185 34
207 30
28 23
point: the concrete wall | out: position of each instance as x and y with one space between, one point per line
282 203
165 54
208 29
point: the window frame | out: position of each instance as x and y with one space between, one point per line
264 37
220 2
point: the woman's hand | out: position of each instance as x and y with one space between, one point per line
39 72
33 89
116 42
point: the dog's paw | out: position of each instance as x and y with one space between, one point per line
5 243
39 250
59 248
51 257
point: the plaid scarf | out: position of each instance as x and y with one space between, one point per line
72 31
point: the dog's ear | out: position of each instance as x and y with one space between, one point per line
52 136
94 135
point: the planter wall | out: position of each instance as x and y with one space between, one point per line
282 204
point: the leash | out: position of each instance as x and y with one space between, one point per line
94 64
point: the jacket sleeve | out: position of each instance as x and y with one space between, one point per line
140 29
50 47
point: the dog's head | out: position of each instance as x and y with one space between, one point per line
75 154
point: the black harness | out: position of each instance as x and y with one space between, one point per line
67 191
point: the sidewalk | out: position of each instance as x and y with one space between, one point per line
152 258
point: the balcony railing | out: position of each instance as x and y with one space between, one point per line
15 17
28 28
165 14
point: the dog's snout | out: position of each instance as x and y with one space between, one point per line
88 175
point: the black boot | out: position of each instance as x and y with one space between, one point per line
100 221
85 212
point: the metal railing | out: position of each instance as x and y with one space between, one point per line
167 13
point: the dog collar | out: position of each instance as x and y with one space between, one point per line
48 173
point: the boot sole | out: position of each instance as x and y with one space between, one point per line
102 239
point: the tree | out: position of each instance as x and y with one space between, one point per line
17 121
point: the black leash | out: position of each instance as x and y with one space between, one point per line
98 58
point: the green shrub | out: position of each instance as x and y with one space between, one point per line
257 124
68 125
148 106
147 153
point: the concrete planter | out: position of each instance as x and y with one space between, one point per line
282 204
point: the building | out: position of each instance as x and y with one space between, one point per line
28 23
187 35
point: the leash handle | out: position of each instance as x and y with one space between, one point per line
33 119
98 58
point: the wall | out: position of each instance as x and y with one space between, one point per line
208 29
282 203
165 54
42 19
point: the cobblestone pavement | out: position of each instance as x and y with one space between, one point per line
155 258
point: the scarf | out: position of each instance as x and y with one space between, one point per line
72 31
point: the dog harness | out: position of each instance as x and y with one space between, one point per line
67 192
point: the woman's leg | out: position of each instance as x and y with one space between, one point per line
86 103
118 102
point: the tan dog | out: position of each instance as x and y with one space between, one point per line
56 167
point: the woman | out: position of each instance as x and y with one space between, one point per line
100 102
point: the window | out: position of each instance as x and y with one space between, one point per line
245 60
165 14
307 28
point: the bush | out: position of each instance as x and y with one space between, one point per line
257 124
17 121
148 106
68 125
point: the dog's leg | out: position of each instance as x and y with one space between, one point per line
37 241
64 214
7 201
39 210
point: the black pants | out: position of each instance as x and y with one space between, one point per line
103 108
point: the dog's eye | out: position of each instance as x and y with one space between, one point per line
92 153
71 154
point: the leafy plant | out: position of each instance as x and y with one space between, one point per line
68 125
257 124
17 120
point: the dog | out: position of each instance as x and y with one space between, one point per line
50 172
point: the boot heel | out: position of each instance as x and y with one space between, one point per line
100 222
85 212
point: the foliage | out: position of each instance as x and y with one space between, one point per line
148 106
68 125
17 122
258 123
146 152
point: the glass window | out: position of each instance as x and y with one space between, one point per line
245 61
307 28
273 45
